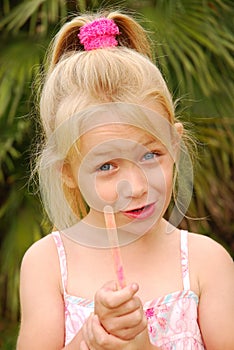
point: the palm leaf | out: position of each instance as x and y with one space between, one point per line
39 13
16 74
25 229
194 40
19 15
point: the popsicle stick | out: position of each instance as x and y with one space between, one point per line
114 244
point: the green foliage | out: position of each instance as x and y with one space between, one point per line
9 332
194 46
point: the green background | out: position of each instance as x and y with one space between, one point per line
194 45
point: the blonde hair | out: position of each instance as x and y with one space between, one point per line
77 79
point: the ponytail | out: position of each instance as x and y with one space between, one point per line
131 36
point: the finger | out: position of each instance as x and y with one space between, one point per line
114 298
114 319
128 326
83 345
86 331
89 331
110 286
124 309
103 339
99 333
128 320
95 337
128 307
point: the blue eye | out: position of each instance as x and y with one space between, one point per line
150 155
106 167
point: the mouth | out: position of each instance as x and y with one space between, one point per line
141 213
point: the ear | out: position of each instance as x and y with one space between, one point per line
67 176
179 128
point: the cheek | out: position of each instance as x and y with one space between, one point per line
106 190
162 173
116 192
96 191
169 177
161 179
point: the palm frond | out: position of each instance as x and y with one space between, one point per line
37 13
25 229
213 185
19 15
194 41
19 62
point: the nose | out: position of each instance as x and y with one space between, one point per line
134 183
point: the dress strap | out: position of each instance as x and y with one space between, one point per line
62 258
184 259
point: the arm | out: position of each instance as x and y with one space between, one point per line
42 307
216 307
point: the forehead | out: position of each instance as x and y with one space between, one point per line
118 133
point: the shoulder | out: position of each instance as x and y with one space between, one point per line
207 248
209 259
40 275
41 259
42 250
214 270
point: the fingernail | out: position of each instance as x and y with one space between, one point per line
134 287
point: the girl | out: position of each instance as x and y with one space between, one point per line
112 139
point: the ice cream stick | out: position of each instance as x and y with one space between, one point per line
114 244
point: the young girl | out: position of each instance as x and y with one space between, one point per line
112 139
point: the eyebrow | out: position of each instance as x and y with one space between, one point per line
152 141
115 148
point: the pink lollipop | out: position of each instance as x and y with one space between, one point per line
114 243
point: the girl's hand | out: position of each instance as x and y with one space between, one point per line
120 312
95 337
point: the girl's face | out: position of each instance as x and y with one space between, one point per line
127 168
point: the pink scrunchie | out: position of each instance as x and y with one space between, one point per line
101 33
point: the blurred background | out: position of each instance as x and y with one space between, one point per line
194 46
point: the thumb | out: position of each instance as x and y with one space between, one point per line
111 286
83 345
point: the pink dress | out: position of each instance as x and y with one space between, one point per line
172 319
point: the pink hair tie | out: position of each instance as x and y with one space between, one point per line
98 34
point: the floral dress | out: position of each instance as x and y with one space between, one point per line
172 319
